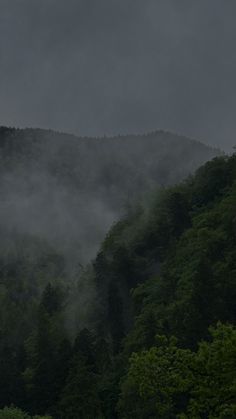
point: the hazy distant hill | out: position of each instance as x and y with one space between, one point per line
70 190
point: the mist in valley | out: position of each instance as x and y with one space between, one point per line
69 191
117 209
60 195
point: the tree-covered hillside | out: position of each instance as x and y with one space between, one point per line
161 337
177 257
69 190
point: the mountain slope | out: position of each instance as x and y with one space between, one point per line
164 276
164 273
70 190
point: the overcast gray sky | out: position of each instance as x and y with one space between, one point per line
94 67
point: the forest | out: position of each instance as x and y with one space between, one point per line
69 190
146 328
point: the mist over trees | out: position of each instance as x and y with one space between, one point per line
70 190
146 329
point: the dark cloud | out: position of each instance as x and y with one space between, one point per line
116 66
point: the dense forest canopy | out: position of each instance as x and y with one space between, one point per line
158 297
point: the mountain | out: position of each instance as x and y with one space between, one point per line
161 337
166 281
68 190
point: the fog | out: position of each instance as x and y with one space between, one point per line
120 66
69 191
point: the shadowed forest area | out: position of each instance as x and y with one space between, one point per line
117 277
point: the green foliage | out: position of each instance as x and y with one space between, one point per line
157 382
15 413
169 382
214 386
181 267
48 353
80 395
196 285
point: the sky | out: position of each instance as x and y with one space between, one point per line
107 67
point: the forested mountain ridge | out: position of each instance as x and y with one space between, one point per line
70 190
173 230
162 337
159 301
60 194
